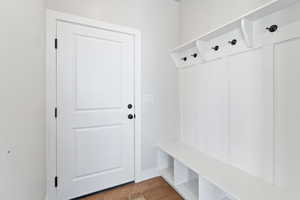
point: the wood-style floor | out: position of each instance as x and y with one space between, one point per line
153 189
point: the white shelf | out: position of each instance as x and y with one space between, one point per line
233 181
253 15
189 190
243 23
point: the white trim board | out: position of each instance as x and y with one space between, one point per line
147 174
51 18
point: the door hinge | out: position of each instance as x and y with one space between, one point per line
55 181
55 112
55 43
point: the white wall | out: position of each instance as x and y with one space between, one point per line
22 115
158 21
200 16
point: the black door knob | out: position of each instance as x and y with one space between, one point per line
130 116
129 106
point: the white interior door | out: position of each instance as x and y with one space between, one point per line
95 85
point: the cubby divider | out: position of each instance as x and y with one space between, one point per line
166 167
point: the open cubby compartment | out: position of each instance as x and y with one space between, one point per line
191 186
186 181
209 191
166 167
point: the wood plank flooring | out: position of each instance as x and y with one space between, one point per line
153 189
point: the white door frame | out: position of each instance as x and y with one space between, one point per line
51 140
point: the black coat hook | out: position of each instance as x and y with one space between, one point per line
194 55
233 42
184 59
272 28
216 48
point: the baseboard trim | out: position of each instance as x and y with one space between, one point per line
147 174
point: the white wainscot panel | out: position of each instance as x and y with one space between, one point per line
287 114
204 107
251 112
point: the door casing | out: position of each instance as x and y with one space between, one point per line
52 17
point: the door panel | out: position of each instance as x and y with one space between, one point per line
95 84
93 81
95 162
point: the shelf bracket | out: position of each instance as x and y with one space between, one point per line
202 47
247 32
174 57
